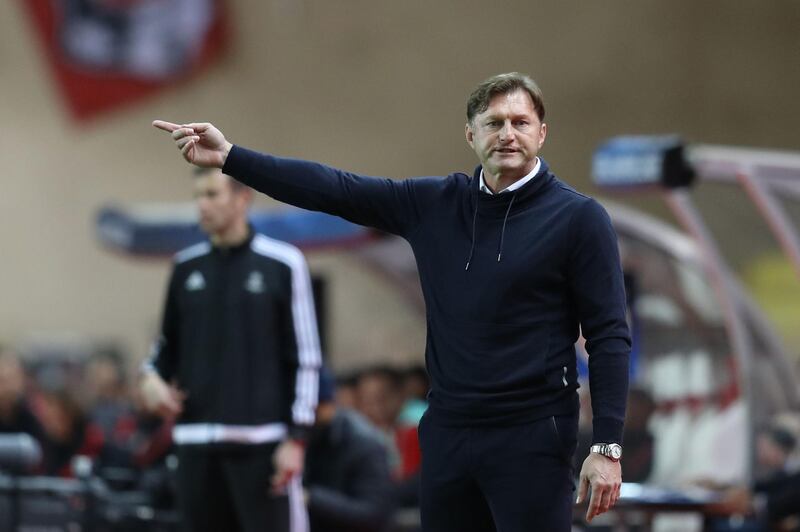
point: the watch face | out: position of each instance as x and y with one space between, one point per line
616 452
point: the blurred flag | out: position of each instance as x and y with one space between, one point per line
107 53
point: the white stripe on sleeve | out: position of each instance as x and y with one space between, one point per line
304 317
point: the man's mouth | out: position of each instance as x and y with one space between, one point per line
506 150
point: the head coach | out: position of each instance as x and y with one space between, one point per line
513 263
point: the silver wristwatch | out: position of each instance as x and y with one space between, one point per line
612 451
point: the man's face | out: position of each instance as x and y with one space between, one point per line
12 381
769 454
219 205
377 400
103 380
507 136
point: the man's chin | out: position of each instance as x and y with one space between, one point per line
511 169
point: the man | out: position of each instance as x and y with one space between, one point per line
16 415
379 396
511 261
773 501
347 477
240 351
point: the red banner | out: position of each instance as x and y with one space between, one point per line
108 53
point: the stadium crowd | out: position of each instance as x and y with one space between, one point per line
363 457
362 460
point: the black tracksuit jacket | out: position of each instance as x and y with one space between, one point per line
239 337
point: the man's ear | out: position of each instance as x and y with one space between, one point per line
246 197
543 135
469 135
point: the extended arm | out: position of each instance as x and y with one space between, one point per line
386 204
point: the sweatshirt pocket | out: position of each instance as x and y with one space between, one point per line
561 370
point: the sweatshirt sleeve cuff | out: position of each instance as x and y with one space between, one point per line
299 433
606 430
231 161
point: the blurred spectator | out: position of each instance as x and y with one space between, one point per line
67 431
379 396
638 460
774 499
415 392
107 390
109 406
347 478
346 394
415 395
775 448
15 412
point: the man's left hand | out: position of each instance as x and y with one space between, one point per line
604 476
288 461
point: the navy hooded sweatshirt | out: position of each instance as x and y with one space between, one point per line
507 280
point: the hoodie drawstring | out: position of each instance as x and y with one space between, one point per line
472 246
503 231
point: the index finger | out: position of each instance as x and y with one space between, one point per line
198 126
165 126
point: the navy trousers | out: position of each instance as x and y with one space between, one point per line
498 479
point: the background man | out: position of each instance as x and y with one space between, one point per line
15 413
347 477
239 342
773 500
512 261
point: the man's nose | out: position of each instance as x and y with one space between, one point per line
506 132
